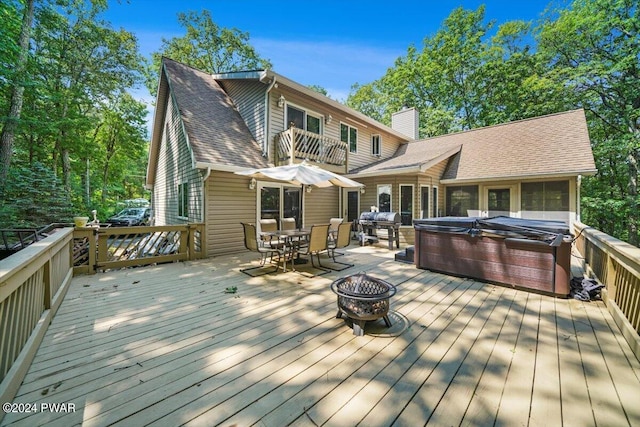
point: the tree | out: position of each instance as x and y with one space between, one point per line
207 47
79 63
9 128
122 144
592 48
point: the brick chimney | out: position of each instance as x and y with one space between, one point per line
406 122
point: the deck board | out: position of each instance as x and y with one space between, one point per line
165 345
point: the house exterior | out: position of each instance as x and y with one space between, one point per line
206 127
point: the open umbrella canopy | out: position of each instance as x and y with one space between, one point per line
302 174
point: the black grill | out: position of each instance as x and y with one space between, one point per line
370 222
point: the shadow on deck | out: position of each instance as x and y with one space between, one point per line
168 345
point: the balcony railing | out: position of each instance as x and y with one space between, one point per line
617 265
299 144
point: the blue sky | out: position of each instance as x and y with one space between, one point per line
331 43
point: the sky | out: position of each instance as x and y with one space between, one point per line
329 43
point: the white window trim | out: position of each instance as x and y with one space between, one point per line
429 201
379 153
413 202
180 201
349 127
434 200
390 195
306 112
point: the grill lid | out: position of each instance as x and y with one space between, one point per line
388 217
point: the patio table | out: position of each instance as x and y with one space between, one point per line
291 239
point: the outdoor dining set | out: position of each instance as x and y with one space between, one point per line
286 246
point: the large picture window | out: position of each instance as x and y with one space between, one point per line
545 196
462 199
406 204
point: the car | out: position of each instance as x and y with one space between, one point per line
130 217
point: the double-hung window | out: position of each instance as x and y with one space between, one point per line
375 145
349 135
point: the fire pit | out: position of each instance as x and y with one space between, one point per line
362 298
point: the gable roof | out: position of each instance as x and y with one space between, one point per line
216 133
552 145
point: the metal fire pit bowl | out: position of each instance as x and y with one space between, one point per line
362 298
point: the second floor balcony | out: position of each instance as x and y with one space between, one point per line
299 144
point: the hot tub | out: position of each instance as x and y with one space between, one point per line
527 254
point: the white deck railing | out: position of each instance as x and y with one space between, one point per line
299 144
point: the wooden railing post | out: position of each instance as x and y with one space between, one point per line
292 135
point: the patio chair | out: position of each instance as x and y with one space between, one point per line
269 225
288 224
334 223
317 243
252 243
342 240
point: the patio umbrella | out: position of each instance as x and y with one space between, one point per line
302 174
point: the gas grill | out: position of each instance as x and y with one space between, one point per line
370 222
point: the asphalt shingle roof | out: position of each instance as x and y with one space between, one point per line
217 133
556 144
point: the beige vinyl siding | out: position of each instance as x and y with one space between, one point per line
389 142
229 202
248 96
320 205
429 178
175 166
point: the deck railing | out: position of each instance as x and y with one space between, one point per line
299 144
33 283
118 247
616 265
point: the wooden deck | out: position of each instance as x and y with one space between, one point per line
165 345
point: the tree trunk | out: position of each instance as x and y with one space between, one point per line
9 129
87 187
66 171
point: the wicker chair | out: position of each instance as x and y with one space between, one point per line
252 243
317 243
342 240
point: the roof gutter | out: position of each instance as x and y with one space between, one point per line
265 144
219 167
519 177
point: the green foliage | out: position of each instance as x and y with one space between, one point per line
586 56
319 89
207 47
34 197
592 49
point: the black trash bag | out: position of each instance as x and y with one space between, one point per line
585 289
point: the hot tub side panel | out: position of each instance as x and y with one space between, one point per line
516 262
